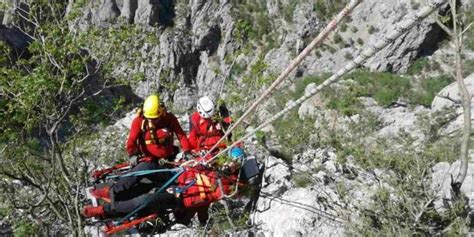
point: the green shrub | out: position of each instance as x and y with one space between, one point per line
371 29
327 9
406 172
25 228
428 89
338 39
317 53
360 41
252 21
302 179
385 88
293 134
262 25
343 27
301 85
289 10
348 56
219 223
347 104
243 29
418 66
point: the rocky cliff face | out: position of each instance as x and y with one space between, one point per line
199 40
202 43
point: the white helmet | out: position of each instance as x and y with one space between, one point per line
205 107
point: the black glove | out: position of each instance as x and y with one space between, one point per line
162 162
133 160
187 156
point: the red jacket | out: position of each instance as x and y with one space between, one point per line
205 189
141 140
205 133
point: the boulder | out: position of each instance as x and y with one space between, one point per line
401 119
312 105
397 118
445 100
277 177
442 176
296 213
451 91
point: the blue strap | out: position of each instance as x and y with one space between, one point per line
183 189
143 172
152 197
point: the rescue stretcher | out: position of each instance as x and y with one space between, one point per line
133 222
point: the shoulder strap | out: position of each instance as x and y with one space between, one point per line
147 125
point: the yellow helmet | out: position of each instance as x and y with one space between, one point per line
152 108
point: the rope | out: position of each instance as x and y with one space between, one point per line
315 43
407 24
223 80
143 172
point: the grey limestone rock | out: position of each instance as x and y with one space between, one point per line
445 100
107 12
442 175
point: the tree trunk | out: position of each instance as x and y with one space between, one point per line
466 103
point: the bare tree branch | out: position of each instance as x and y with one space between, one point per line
456 101
444 27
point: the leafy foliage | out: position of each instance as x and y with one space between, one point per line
418 66
407 174
289 10
252 20
50 96
302 179
118 46
327 9
385 88
293 134
428 88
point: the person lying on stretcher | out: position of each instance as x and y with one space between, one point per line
194 190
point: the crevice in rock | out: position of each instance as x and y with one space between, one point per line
210 42
17 41
163 12
432 41
128 10
188 66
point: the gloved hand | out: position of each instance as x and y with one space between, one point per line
162 162
133 160
202 153
187 155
